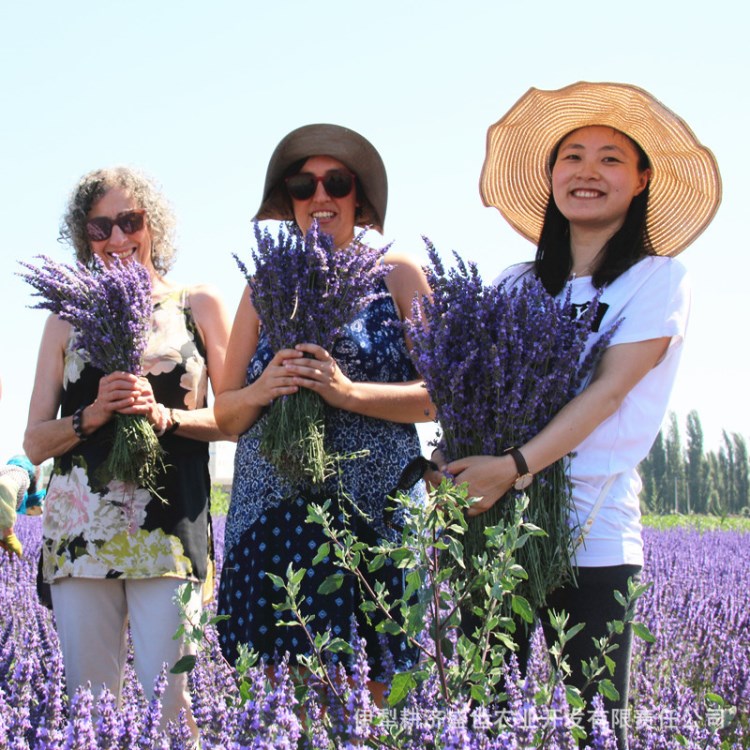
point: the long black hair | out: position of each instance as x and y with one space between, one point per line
630 243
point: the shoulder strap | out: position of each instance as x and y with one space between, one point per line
577 541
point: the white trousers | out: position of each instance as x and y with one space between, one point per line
92 620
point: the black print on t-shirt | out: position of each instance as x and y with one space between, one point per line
580 309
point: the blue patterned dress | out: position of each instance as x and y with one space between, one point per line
266 529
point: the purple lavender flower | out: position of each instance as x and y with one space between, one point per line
700 619
108 724
603 738
109 306
110 309
306 290
81 734
499 363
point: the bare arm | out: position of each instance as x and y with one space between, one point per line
212 320
405 402
47 436
620 369
238 406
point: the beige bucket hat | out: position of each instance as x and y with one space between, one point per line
346 145
685 189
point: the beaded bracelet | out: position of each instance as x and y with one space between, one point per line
78 423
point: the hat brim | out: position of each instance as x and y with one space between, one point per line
349 147
685 189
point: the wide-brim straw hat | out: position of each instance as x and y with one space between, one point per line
350 148
685 189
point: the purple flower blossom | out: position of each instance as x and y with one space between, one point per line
305 290
700 620
499 363
109 306
110 309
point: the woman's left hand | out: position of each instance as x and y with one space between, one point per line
145 404
488 477
320 373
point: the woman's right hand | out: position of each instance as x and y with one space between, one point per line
118 392
275 380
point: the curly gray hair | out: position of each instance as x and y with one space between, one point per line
92 186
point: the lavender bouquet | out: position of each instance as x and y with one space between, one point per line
305 290
499 363
110 308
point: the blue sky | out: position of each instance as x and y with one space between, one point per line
198 94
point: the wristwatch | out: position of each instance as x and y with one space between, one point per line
174 418
525 477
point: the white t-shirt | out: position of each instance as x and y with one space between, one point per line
653 300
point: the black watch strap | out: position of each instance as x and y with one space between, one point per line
175 422
517 456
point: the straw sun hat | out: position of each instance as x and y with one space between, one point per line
685 187
343 144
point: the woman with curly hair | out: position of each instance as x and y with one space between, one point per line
114 553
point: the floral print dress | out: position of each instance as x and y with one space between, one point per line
266 526
98 527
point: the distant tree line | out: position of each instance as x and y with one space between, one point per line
687 479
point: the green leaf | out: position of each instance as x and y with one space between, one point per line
573 696
478 694
456 550
337 645
388 626
376 563
185 664
331 584
185 593
716 698
276 580
579 733
296 576
575 630
522 607
643 632
608 690
610 665
323 551
402 684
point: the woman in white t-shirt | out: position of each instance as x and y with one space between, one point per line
607 182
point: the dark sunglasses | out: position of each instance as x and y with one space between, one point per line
100 227
336 182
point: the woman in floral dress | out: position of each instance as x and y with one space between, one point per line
114 552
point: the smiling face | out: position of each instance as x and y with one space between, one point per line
335 215
120 244
595 177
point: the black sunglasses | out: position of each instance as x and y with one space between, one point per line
336 182
100 228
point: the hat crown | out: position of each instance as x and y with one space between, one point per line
325 139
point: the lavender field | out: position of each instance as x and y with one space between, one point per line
690 688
